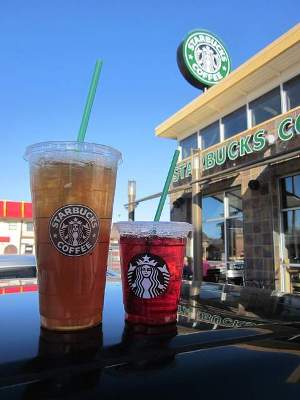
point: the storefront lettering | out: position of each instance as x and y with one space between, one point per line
188 171
245 147
297 125
287 129
215 319
259 140
233 151
221 156
182 171
210 160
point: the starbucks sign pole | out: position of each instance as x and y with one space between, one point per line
203 60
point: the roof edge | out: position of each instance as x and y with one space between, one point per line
271 51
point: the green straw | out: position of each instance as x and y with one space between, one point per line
89 102
166 187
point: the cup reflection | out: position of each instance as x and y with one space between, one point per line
67 363
148 346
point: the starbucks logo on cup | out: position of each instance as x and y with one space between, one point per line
74 229
148 275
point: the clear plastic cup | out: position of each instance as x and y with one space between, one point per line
151 264
72 187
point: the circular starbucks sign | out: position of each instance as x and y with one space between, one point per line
203 59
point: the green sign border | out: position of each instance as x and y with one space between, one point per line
185 65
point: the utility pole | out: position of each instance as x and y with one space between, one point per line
131 199
197 219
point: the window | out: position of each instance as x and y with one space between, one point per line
290 200
210 135
290 192
18 272
222 229
28 248
235 122
29 226
235 239
213 241
235 207
12 226
188 144
213 207
265 107
291 231
213 228
292 91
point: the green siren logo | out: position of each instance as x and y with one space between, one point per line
203 59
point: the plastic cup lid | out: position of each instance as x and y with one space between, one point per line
151 228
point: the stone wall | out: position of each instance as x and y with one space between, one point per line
258 228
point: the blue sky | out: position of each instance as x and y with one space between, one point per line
48 51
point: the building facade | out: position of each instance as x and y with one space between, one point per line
16 228
238 179
114 250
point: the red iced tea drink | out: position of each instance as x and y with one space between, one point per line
151 264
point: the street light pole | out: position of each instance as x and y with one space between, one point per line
131 199
197 219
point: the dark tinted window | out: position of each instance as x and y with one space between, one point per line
29 226
213 207
266 106
292 89
290 191
234 202
291 230
188 144
235 122
210 135
213 240
235 239
17 272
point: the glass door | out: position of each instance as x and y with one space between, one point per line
290 232
222 236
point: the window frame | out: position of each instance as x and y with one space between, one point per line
10 224
259 97
181 147
221 135
283 250
225 220
232 112
285 93
249 114
26 226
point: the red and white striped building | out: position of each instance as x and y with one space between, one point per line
16 227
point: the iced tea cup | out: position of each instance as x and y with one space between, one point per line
72 188
151 266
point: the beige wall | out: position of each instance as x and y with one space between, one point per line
18 235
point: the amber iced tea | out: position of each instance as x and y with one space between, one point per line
72 195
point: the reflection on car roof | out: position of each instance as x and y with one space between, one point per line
17 261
